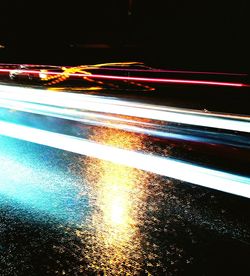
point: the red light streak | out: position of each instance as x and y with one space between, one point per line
172 71
166 80
139 70
139 79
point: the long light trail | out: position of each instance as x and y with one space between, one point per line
139 79
148 69
150 128
165 166
167 80
123 107
175 71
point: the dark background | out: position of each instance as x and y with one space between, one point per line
206 35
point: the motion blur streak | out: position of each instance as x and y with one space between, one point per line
135 125
132 69
176 81
160 165
122 107
140 79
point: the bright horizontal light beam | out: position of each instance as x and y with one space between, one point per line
127 78
151 127
148 69
169 167
166 80
121 107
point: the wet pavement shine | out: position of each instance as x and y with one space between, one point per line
65 214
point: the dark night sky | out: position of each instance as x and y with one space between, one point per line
177 33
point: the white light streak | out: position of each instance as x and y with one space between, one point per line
173 168
122 107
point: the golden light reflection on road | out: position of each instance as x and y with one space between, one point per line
119 195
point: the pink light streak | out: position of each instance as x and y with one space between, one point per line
139 79
140 70
166 80
172 71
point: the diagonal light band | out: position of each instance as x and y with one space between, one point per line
169 167
122 107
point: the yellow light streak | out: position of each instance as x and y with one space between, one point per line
85 69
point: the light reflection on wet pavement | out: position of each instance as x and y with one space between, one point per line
65 214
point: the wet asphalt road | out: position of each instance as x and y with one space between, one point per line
54 219
66 214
